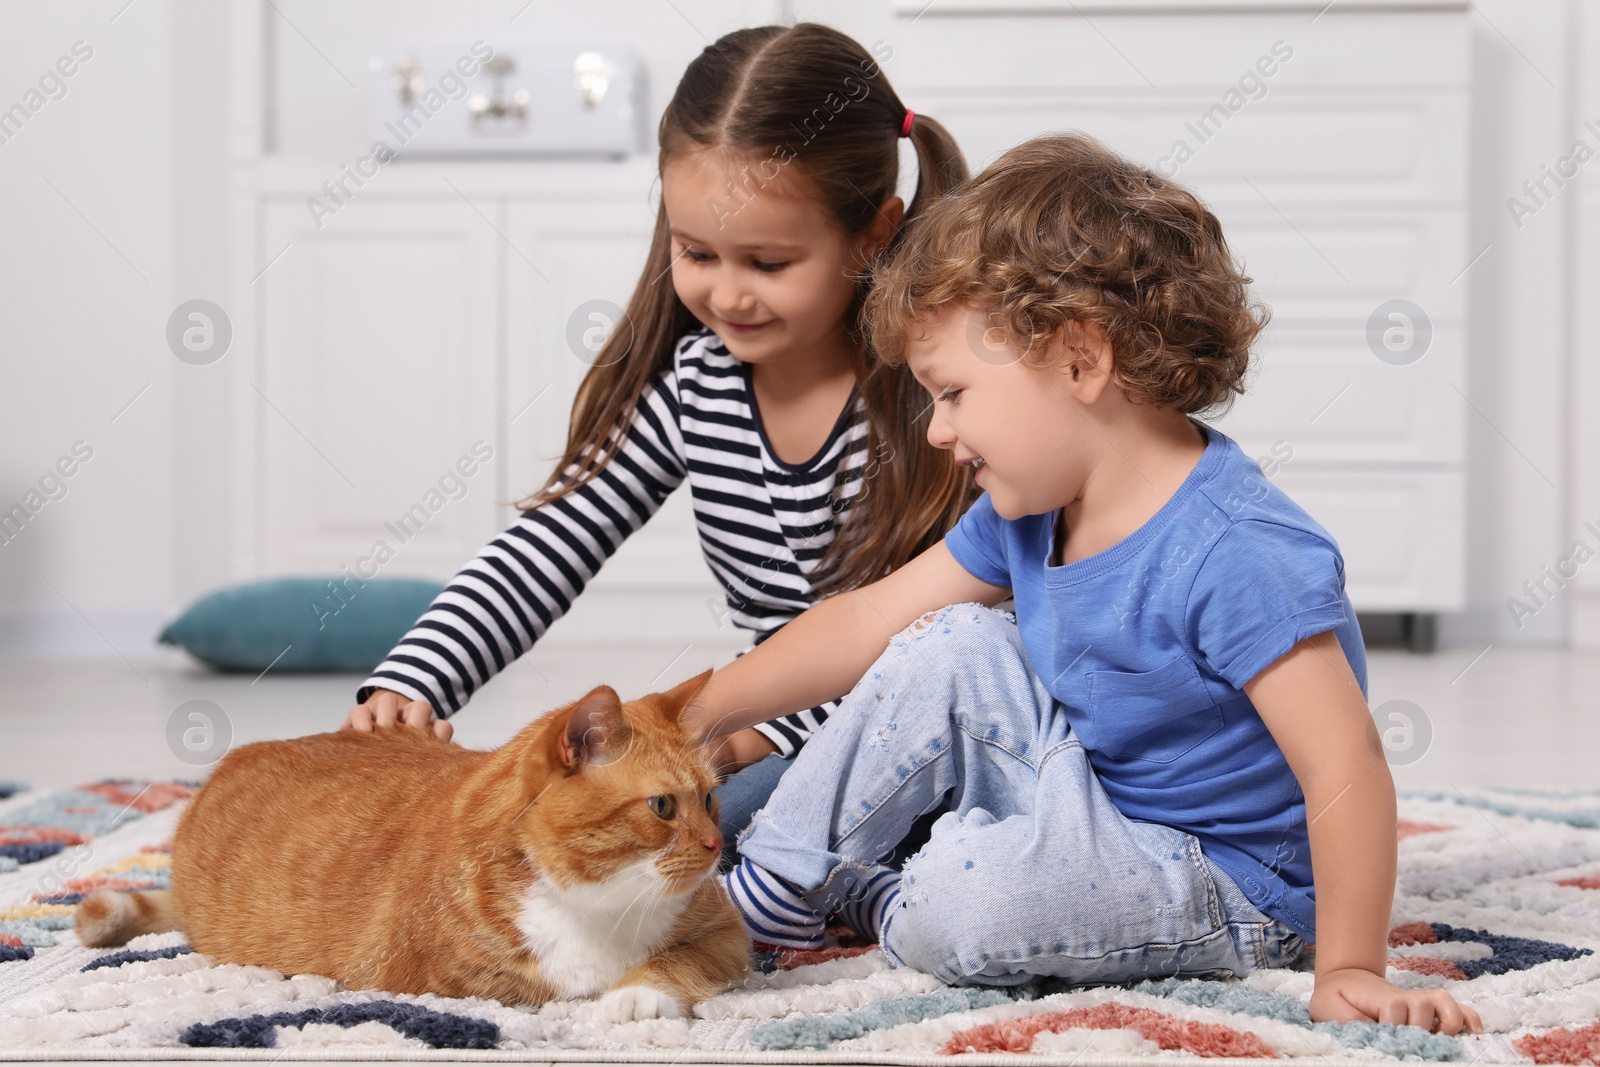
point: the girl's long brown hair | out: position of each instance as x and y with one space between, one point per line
793 95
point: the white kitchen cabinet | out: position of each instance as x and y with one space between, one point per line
403 331
442 296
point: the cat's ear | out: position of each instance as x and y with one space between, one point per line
674 700
596 730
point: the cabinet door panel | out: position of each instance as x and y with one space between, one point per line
375 376
565 256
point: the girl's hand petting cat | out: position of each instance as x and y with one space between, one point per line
1355 995
385 707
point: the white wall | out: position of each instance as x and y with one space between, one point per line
86 273
1522 306
202 251
142 145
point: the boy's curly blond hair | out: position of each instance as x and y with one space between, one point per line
1062 230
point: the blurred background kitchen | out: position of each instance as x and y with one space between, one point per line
270 269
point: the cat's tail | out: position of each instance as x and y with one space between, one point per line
112 917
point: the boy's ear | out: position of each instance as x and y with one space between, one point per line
1085 359
674 700
595 732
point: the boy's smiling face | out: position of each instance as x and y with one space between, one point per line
1019 425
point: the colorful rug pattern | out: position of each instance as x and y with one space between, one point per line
1498 901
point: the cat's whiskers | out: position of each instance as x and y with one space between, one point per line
654 889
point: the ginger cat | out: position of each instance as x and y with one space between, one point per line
575 860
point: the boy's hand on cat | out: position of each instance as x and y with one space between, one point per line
385 707
735 752
1356 995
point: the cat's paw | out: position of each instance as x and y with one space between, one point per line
628 1003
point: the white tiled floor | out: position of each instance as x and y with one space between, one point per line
66 722
1519 717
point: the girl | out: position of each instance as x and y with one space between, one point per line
746 376
1145 764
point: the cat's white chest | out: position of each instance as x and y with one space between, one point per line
587 937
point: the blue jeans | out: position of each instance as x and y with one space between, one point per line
741 795
1034 872
745 791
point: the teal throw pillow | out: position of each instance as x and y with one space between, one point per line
301 624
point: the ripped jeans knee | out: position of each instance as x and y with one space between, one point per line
963 620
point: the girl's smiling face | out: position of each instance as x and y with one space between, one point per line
765 266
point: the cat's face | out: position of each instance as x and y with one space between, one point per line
617 786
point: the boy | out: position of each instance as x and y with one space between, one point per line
1143 768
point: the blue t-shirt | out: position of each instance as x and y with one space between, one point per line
1147 646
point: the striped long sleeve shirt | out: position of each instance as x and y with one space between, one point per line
763 523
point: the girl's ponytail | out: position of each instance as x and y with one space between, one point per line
913 492
940 165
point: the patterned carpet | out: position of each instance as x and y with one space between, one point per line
1498 901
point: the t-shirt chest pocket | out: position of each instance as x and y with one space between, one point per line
1155 716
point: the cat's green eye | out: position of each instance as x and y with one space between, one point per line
662 806
708 801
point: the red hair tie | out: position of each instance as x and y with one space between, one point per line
905 127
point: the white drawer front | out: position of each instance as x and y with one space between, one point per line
1328 399
1324 267
1300 146
1399 532
936 47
